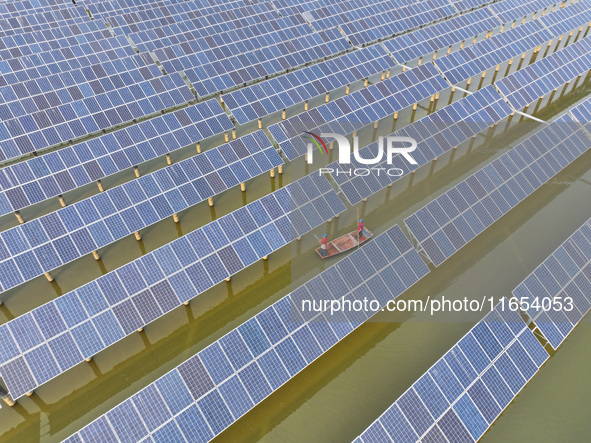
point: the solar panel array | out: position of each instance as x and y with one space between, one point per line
249 54
565 273
510 10
531 82
462 394
392 18
435 134
428 40
51 339
358 109
58 172
211 390
450 221
27 251
278 93
566 19
50 121
488 53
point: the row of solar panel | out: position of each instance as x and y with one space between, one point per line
50 123
27 251
531 82
510 10
428 40
503 47
462 394
272 95
359 109
214 388
449 222
252 58
479 57
435 134
127 21
54 337
565 273
55 173
214 35
36 21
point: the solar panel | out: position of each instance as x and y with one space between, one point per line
531 82
435 134
449 222
51 120
462 394
212 389
358 109
566 19
256 101
397 20
421 42
510 10
247 54
488 53
55 173
62 333
565 274
35 21
67 234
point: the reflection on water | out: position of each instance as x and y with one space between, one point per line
343 392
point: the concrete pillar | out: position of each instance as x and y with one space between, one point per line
365 83
210 201
100 186
260 123
272 173
88 360
283 115
136 171
62 201
347 90
228 279
233 134
226 137
140 329
19 217
306 105
243 187
175 218
186 303
266 257
280 169
198 148
9 401
28 394
48 276
137 235
96 255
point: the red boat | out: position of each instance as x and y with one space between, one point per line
344 243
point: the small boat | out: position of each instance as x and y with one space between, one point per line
344 243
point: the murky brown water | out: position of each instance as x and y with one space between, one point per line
346 389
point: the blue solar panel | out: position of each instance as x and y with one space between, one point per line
488 53
565 273
161 280
435 134
438 405
442 35
262 99
127 208
242 368
566 19
534 81
359 109
52 174
510 10
236 57
449 222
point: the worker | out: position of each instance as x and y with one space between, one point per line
323 243
360 228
